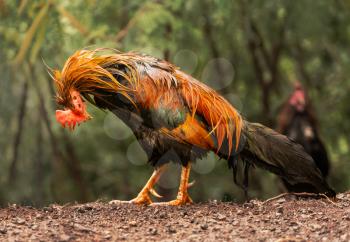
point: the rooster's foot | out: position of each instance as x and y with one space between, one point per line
141 199
177 202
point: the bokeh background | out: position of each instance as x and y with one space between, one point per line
250 51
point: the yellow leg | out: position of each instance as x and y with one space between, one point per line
143 196
182 195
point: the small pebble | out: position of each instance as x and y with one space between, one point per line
64 238
3 230
152 231
107 236
221 217
280 209
133 223
20 221
171 230
204 226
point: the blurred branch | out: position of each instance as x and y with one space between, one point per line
124 31
167 37
26 43
22 6
73 164
3 8
277 48
209 34
73 20
38 44
254 40
39 195
18 136
300 61
260 43
264 60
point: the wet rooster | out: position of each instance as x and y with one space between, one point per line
175 118
297 120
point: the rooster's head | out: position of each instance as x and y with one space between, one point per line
298 99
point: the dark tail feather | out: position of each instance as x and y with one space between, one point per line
233 163
275 152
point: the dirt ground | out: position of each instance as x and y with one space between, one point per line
288 218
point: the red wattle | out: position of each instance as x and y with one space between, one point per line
68 118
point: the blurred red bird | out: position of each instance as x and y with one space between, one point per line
175 118
297 120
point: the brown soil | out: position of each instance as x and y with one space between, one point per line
288 218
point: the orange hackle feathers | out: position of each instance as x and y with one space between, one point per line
148 83
216 110
84 71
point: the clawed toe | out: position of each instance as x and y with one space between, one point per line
176 202
114 202
140 200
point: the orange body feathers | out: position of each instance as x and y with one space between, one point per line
151 84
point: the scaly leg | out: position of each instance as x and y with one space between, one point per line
182 195
143 196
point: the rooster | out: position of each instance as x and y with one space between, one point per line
175 118
297 121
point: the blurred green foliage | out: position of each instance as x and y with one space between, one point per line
293 40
